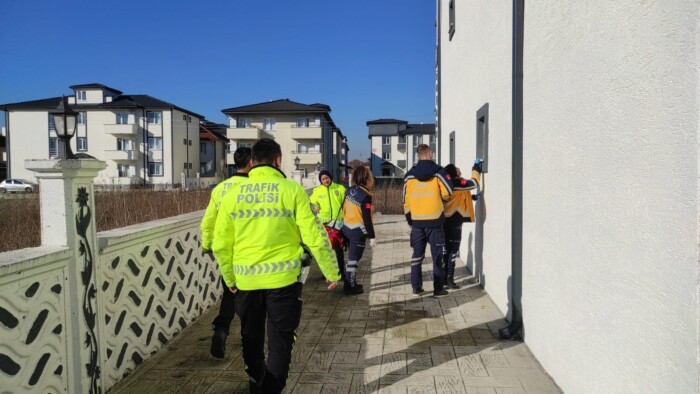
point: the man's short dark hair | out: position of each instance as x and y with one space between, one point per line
242 156
265 151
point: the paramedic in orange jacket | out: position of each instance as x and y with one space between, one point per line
458 210
426 187
357 224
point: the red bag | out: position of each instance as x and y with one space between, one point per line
336 237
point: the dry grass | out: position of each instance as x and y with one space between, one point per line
20 223
388 199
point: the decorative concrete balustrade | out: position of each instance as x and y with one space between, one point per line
84 309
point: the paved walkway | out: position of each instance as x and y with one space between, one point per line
385 340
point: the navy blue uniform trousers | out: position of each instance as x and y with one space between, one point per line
227 310
453 238
281 310
420 237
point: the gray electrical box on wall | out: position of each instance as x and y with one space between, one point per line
482 136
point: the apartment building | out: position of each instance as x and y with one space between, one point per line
394 144
304 131
143 140
212 150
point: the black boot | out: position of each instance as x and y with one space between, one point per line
351 287
218 342
451 282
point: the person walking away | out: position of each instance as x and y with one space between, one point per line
327 202
426 186
357 225
227 309
458 210
257 243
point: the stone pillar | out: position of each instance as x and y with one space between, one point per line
67 219
297 175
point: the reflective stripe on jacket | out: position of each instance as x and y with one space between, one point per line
328 199
209 219
460 208
357 212
259 230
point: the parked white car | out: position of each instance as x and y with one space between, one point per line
16 186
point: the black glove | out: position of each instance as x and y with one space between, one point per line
477 166
475 196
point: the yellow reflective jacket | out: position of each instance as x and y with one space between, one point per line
425 189
259 230
209 219
329 200
460 208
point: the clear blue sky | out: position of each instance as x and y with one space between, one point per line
367 59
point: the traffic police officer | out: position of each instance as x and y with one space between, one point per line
257 243
327 201
227 310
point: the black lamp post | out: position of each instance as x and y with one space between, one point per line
318 166
65 120
296 162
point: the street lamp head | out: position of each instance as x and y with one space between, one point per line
65 121
296 162
318 166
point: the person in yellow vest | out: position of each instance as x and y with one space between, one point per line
426 187
227 309
357 224
258 244
458 210
327 201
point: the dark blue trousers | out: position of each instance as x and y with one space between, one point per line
356 248
453 238
420 238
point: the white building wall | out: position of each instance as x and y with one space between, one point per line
476 70
28 138
607 251
610 198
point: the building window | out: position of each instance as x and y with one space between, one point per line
402 138
245 145
452 18
229 147
386 140
155 168
123 170
125 118
82 117
386 155
154 117
53 147
203 148
417 140
269 124
244 123
155 143
81 143
81 95
124 144
52 125
202 168
302 122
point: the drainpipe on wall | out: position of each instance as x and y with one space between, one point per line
145 145
516 282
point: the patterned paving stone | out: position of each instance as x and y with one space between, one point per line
384 341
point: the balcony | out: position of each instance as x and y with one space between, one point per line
122 155
246 133
307 157
229 158
401 146
122 129
401 163
155 155
307 133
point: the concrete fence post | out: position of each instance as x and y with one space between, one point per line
67 207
